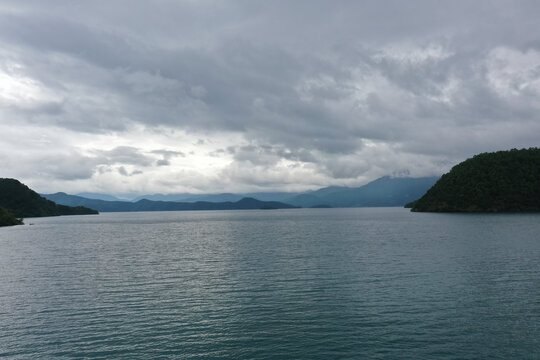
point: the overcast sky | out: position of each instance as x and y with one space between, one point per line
231 96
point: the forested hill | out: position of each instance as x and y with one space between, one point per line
23 202
7 218
503 181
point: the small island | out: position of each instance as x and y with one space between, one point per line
18 201
502 181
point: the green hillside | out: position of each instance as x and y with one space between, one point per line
23 202
503 181
7 218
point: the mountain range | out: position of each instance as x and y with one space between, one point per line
150 205
385 191
220 197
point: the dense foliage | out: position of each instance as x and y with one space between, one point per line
23 202
504 181
7 218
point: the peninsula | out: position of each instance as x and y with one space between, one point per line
19 201
502 181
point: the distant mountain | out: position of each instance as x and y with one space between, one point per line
149 205
385 191
222 197
163 197
506 181
329 190
214 197
272 196
98 196
23 202
263 196
100 205
307 200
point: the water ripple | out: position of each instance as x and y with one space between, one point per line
287 284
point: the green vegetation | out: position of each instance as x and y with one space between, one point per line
503 181
7 218
23 202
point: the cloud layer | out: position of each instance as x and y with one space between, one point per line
211 96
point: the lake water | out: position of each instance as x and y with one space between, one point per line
372 283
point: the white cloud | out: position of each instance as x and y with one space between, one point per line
513 73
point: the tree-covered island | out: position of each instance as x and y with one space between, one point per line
503 181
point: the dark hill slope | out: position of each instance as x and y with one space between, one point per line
23 202
503 181
7 218
98 204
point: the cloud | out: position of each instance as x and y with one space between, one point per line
124 172
264 95
69 167
167 155
123 155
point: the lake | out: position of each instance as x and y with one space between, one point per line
370 283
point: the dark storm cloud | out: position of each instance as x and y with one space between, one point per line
304 81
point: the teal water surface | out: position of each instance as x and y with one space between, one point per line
372 283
